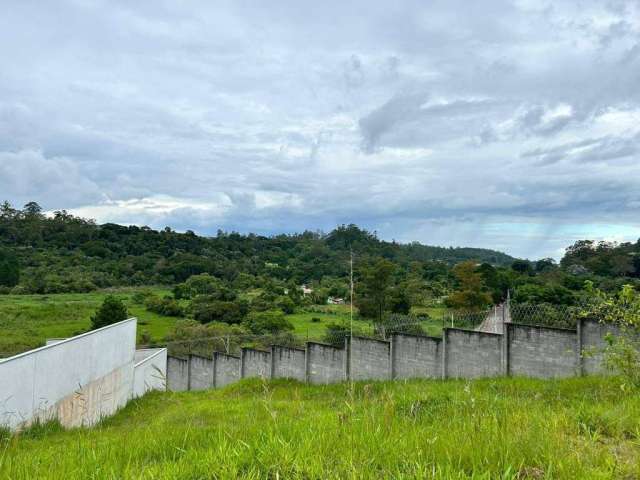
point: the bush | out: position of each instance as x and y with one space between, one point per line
315 320
111 311
189 336
622 356
286 304
269 322
206 310
140 297
164 306
204 284
336 333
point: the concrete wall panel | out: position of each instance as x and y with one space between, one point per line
78 380
592 340
149 371
416 356
288 363
325 363
369 359
255 363
177 374
471 354
542 352
201 373
227 369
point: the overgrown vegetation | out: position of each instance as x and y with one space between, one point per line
510 429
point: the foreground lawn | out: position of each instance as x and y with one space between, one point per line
489 429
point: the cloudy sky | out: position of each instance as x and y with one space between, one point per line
512 125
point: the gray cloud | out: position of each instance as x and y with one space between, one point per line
505 124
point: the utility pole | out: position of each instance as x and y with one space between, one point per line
351 291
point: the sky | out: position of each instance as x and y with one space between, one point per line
512 125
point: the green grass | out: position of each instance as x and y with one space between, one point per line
490 429
26 321
304 325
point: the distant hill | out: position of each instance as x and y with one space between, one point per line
60 250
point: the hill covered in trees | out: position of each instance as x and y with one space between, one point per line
62 253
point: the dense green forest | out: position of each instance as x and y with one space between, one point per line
62 253
229 276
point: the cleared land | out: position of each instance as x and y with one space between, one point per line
504 428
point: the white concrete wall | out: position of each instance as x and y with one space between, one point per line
78 380
149 371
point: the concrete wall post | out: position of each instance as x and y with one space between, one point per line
392 362
580 361
347 357
444 352
189 372
506 339
214 358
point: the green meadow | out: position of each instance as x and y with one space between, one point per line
582 428
26 321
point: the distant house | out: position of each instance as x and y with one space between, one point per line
335 301
306 290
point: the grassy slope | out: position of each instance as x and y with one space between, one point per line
506 428
26 321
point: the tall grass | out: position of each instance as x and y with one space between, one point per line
503 428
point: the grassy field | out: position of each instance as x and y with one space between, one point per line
490 429
26 321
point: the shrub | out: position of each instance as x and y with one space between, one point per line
315 320
140 297
336 333
206 310
111 311
286 304
164 306
269 322
189 336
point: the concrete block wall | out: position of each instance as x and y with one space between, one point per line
201 372
368 359
325 363
255 363
415 356
591 337
288 362
541 352
226 369
471 354
177 374
522 350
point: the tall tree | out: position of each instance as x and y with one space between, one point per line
374 288
111 311
471 292
9 269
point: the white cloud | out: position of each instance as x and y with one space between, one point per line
426 122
